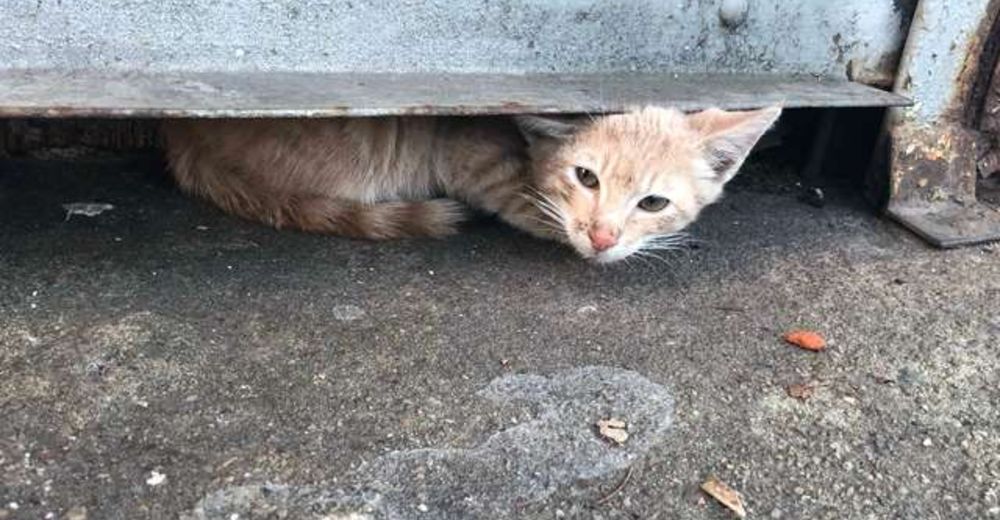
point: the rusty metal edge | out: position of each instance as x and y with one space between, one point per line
914 219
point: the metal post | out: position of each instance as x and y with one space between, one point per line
934 145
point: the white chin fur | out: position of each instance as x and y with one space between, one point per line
615 254
612 255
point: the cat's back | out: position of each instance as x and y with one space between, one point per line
358 158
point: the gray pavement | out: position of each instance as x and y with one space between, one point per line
162 360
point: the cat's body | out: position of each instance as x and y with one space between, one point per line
413 176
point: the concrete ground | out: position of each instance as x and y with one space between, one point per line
162 360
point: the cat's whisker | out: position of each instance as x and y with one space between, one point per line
547 207
650 255
671 242
640 256
548 224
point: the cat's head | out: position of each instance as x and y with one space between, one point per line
619 184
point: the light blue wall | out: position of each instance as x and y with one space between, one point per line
783 36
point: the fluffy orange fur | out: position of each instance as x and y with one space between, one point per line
414 176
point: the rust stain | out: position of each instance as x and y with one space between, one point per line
975 55
931 166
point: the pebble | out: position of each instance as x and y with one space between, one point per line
422 508
928 442
156 478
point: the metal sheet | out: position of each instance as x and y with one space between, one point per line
455 36
949 224
284 94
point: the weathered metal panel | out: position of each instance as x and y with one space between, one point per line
477 36
934 144
276 94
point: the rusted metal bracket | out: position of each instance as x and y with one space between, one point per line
935 143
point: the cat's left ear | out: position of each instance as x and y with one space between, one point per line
535 128
728 137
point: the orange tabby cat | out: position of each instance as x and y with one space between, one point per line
608 186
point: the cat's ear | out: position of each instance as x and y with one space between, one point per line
535 128
728 137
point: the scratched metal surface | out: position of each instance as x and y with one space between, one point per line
284 94
683 36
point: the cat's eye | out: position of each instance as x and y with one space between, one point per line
586 177
653 203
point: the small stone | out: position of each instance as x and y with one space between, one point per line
423 508
76 513
776 513
13 506
560 513
156 478
800 391
928 442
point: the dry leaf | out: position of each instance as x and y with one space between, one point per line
806 339
726 496
800 391
613 430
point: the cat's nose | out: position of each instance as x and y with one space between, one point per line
602 238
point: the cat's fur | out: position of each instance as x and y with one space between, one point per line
414 176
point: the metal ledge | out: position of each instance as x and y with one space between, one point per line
949 224
58 94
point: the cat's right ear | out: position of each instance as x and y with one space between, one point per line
728 137
536 128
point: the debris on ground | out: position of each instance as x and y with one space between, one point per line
725 495
800 391
156 478
348 312
805 339
76 513
882 377
619 487
86 209
613 430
